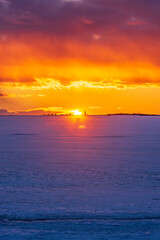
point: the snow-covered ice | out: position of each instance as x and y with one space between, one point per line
81 178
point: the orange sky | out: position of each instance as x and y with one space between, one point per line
97 56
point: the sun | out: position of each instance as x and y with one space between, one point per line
76 113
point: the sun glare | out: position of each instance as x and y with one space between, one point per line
76 113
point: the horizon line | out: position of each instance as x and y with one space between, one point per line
67 115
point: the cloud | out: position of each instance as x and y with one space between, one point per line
94 107
4 3
79 41
5 112
36 111
53 17
32 112
3 95
42 111
136 22
75 1
50 83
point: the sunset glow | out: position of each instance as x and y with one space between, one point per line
76 113
71 54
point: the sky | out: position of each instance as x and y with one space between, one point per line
102 56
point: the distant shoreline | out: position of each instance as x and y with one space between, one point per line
134 114
96 115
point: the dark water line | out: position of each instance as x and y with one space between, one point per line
4 218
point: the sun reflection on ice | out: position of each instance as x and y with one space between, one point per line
82 126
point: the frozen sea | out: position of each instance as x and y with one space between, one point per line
79 178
